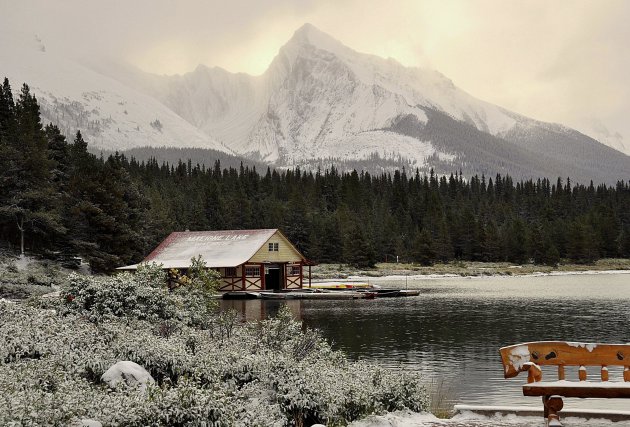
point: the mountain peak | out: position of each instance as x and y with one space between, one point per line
308 34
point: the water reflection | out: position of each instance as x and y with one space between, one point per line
454 329
252 310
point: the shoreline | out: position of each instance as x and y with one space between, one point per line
488 276
390 271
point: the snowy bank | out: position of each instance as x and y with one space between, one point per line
503 416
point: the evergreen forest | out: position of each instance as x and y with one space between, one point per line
60 201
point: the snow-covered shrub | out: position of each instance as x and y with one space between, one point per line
184 405
197 289
269 373
143 295
123 295
395 391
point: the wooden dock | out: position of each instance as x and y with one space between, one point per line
322 294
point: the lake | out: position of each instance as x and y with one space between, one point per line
451 333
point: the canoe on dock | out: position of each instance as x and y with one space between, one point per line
387 293
340 285
272 295
327 295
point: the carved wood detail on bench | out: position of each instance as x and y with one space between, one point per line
529 357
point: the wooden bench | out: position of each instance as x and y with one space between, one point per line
531 356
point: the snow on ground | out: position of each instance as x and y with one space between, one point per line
469 419
22 262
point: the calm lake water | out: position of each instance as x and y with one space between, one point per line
453 330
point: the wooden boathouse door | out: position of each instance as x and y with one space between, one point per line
273 277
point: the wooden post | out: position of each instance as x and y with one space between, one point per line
553 405
243 277
301 275
262 276
604 373
582 373
626 373
561 372
284 277
309 275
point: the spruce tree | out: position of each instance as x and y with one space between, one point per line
357 248
422 248
31 198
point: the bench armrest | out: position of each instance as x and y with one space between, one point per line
534 373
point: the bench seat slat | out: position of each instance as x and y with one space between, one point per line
578 389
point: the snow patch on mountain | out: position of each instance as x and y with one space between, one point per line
364 145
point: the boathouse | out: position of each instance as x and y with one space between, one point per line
247 260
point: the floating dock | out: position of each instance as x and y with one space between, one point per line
323 294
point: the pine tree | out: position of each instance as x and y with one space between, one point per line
357 249
492 248
31 197
8 158
516 241
544 251
422 248
327 242
623 242
581 246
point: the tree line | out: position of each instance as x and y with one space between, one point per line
60 201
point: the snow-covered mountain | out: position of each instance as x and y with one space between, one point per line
319 102
110 114
320 98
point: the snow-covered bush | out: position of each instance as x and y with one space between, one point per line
269 373
197 291
144 295
122 295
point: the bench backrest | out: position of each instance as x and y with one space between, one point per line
517 358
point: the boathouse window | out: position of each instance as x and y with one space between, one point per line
293 270
230 271
273 247
252 271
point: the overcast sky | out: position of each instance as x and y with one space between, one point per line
565 61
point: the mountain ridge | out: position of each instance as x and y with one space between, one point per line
320 99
